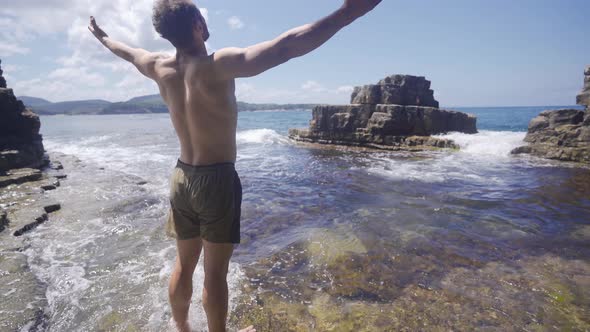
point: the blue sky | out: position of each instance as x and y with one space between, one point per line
476 53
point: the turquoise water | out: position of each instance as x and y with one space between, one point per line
459 240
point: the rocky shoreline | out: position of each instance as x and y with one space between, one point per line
26 177
397 113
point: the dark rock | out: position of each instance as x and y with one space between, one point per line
52 208
19 176
20 142
389 116
2 80
56 165
49 187
3 220
29 227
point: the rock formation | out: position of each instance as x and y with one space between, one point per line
561 134
398 113
2 80
20 142
584 96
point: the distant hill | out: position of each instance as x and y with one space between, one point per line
137 105
32 101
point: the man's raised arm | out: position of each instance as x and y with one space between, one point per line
142 59
251 61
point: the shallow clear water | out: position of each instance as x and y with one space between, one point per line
356 227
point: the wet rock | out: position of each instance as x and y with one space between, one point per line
3 220
29 227
49 187
56 165
52 208
18 176
399 113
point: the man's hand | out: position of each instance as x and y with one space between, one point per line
143 60
358 8
96 30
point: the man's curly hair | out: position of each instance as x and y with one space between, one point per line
174 20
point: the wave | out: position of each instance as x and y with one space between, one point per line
488 143
261 136
479 156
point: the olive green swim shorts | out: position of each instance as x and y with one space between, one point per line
205 201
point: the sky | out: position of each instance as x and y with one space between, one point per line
476 53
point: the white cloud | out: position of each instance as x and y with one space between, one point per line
313 86
86 69
309 92
7 49
345 89
235 23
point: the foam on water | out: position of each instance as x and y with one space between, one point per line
261 136
480 155
488 144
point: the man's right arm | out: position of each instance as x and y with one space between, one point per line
251 61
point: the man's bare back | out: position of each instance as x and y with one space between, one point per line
202 107
199 90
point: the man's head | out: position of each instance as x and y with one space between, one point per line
180 22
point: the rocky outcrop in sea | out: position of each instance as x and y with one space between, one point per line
561 134
397 113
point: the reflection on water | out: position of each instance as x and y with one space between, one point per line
333 239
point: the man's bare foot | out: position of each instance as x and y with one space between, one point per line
248 329
183 327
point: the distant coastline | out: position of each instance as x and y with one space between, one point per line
151 104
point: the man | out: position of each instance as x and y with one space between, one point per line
199 90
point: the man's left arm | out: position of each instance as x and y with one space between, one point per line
142 59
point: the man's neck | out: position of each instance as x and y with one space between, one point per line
198 50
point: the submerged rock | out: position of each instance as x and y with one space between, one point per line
399 113
3 220
52 208
20 142
561 134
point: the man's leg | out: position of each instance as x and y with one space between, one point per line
181 282
215 289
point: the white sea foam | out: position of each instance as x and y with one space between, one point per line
261 136
479 155
495 144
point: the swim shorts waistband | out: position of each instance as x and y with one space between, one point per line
203 168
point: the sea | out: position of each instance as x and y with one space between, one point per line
333 239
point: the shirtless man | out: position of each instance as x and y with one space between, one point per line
199 90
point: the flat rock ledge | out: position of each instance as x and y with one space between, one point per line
561 134
391 143
398 113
